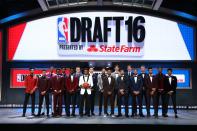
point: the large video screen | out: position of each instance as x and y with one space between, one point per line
183 77
101 36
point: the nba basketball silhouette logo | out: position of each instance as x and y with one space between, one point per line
62 30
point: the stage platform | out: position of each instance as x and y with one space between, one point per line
13 116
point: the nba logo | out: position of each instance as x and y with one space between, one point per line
62 30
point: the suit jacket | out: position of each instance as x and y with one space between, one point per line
94 78
148 84
160 81
136 86
57 83
123 83
143 79
71 85
30 83
115 77
100 81
108 87
43 84
173 85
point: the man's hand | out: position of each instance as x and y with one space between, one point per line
170 92
152 93
102 90
109 93
43 93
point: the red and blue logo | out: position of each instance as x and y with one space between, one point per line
62 25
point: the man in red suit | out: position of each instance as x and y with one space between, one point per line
71 90
57 87
30 88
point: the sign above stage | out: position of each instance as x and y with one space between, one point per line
101 36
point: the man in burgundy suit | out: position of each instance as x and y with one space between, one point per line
160 79
30 88
57 86
43 87
150 90
71 84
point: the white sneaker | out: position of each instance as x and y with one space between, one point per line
112 115
105 115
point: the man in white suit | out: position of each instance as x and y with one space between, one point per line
85 83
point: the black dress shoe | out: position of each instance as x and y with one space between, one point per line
38 115
119 115
23 115
43 114
88 115
99 113
148 115
48 115
141 115
81 115
73 115
176 116
92 114
132 115
127 116
165 115
156 116
33 114
68 115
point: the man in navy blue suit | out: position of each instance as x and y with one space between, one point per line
136 90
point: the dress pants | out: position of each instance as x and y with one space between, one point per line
136 99
70 100
106 98
57 101
41 99
27 95
161 95
125 96
173 98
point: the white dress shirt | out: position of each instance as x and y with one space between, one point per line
109 79
170 80
135 78
71 78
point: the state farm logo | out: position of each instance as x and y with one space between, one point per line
92 48
122 48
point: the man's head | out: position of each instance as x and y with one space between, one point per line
169 71
43 72
135 71
103 71
143 69
58 71
71 70
116 68
31 71
91 70
160 69
121 72
129 68
108 71
78 69
86 71
63 70
150 70
51 69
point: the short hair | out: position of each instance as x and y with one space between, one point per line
43 69
63 67
108 68
85 69
77 67
129 65
121 69
58 69
116 66
31 68
143 66
169 69
150 68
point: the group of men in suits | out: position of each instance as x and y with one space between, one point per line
114 87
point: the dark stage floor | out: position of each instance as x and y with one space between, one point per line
13 116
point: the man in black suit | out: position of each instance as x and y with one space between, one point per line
93 90
136 89
171 85
144 95
123 89
108 86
